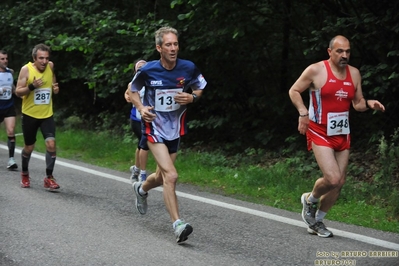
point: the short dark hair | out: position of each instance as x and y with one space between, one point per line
331 44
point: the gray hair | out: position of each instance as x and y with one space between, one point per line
41 47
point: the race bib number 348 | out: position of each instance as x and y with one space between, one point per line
338 123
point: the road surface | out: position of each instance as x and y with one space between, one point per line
92 221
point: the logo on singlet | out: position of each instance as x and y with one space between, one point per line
341 94
347 83
180 82
156 82
332 81
201 79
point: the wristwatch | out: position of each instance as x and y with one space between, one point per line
195 97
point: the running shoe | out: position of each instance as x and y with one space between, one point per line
182 231
141 201
11 165
25 180
319 229
49 183
309 210
134 177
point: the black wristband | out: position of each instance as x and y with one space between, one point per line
194 97
367 105
31 87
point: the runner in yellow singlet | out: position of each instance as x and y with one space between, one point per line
36 86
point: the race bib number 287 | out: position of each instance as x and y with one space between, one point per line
42 96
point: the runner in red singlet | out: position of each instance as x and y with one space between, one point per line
333 86
328 100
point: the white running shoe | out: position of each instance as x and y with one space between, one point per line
12 164
141 201
308 210
319 229
182 231
134 177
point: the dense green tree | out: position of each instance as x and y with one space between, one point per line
250 52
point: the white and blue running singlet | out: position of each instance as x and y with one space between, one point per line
134 113
6 84
160 87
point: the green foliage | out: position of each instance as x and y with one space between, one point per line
386 180
381 188
301 161
249 64
73 122
388 153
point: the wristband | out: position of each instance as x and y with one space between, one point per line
367 105
31 87
194 97
303 115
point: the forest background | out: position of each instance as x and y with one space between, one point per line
250 52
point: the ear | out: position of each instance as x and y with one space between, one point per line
158 48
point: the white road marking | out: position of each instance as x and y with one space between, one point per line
337 232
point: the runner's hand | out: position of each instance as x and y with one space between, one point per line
146 113
183 98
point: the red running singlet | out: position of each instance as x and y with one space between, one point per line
334 97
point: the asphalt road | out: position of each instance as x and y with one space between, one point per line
91 220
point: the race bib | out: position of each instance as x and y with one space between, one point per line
164 100
6 93
42 95
338 124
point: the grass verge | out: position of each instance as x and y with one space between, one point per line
275 185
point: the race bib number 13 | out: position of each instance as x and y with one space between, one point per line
164 100
338 124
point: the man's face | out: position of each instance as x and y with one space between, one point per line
3 61
340 52
41 61
169 48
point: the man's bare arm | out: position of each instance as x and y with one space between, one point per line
22 86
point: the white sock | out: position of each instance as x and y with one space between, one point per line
176 223
141 191
143 172
311 198
320 215
135 169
